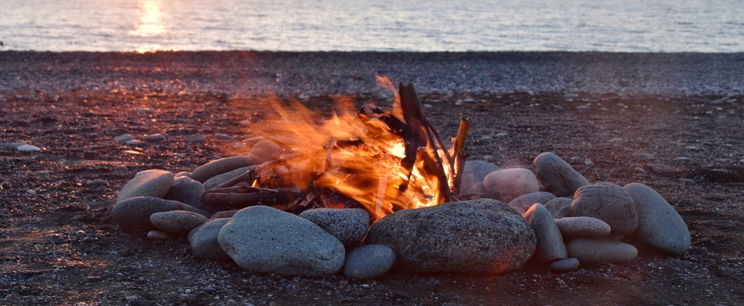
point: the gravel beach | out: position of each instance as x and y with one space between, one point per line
670 121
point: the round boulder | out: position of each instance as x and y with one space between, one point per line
186 190
265 239
608 202
659 224
481 236
264 150
550 244
177 221
369 261
349 225
203 240
601 250
556 175
147 183
507 184
525 201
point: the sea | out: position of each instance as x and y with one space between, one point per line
373 25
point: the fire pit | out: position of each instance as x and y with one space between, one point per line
301 202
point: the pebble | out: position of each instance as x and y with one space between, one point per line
659 224
502 134
218 166
682 160
154 137
177 221
474 171
369 261
28 148
9 145
144 110
522 203
264 239
123 138
31 192
644 155
135 142
601 250
482 236
608 202
550 244
96 183
588 162
640 170
559 207
583 227
245 122
349 225
195 138
204 243
153 183
563 265
158 235
507 184
225 137
556 175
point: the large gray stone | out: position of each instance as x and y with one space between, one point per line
601 250
369 261
147 183
559 207
556 175
133 214
550 244
204 243
177 221
522 203
222 165
659 224
474 171
221 178
349 225
481 236
583 227
186 190
507 184
608 202
265 239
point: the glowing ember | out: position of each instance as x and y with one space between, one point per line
358 155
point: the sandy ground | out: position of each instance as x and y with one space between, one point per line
57 244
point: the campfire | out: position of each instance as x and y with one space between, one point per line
366 189
383 160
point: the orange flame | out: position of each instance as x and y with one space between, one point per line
359 158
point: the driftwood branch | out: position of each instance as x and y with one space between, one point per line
239 197
459 144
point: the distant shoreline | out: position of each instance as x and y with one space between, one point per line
290 73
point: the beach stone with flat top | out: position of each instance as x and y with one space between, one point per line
177 221
481 236
507 184
601 250
659 224
608 202
349 225
583 227
556 175
550 244
264 239
186 190
133 214
522 203
222 165
147 183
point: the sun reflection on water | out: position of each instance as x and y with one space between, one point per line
150 19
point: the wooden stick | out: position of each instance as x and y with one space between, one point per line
462 135
229 198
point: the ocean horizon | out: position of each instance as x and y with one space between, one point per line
385 25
